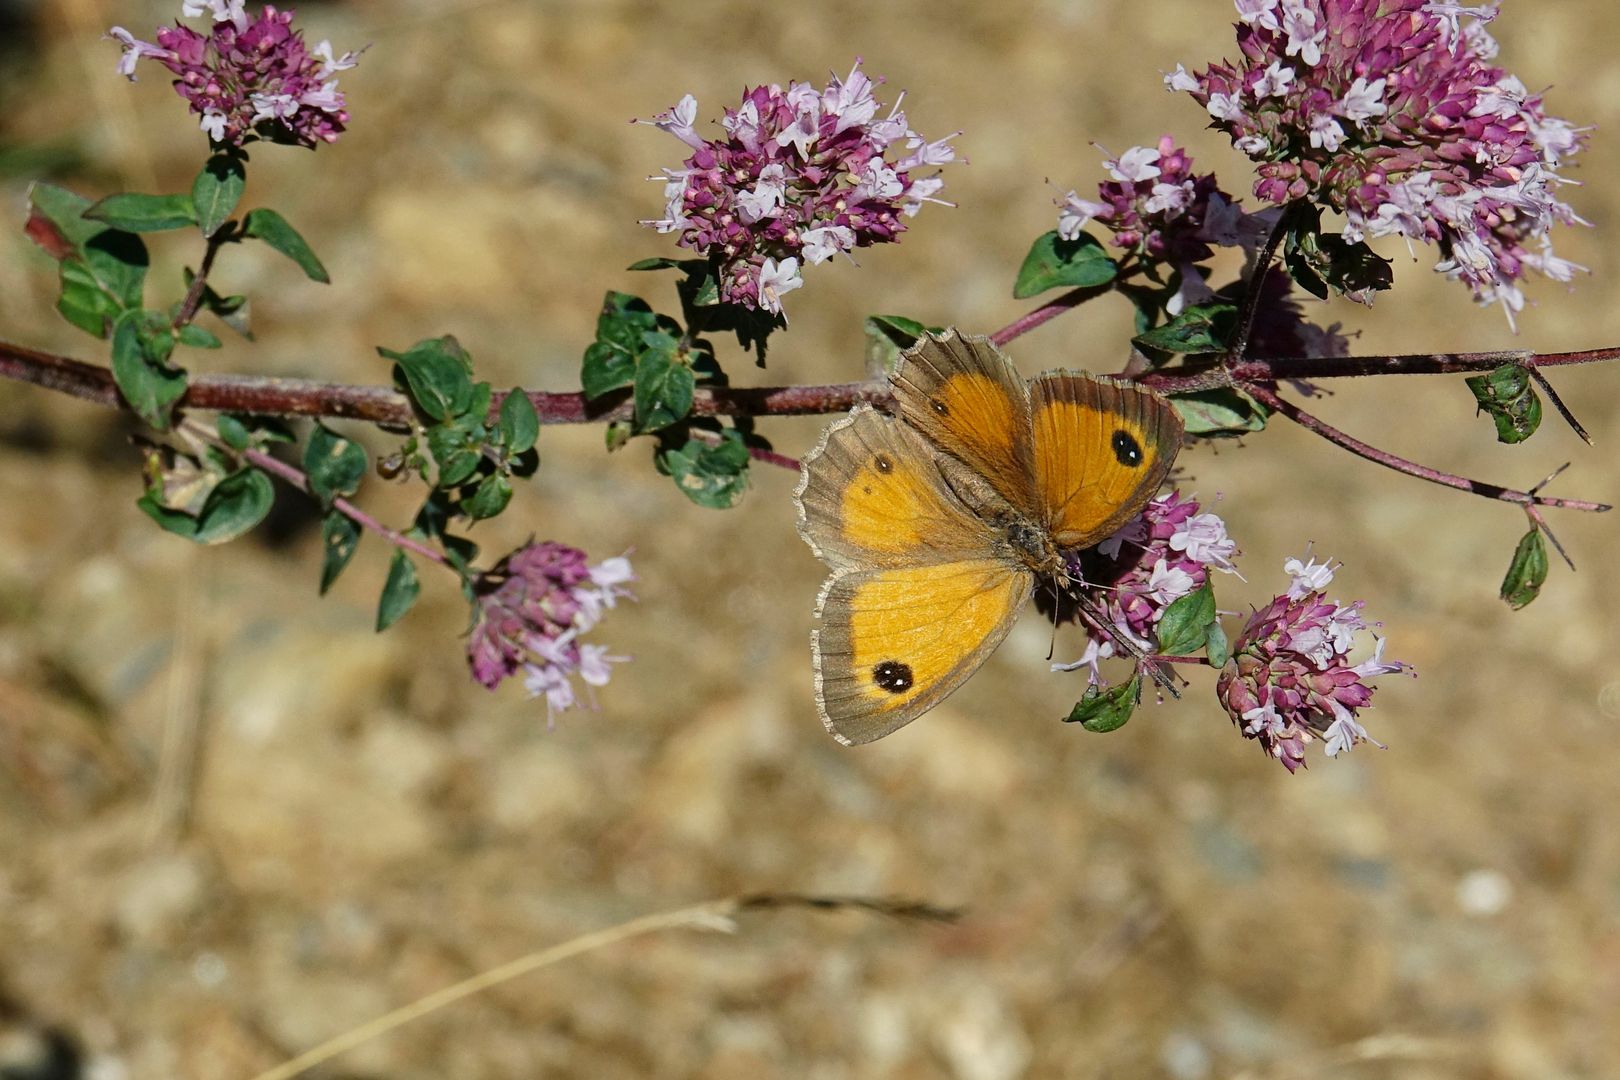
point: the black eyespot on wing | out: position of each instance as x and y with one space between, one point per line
1126 449
939 406
892 676
883 462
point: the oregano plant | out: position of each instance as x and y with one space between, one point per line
1363 122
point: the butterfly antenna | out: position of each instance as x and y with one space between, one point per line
1099 621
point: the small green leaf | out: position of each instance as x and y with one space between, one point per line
94 258
520 423
234 506
196 337
1184 626
144 213
1223 411
616 434
339 537
1318 261
217 190
889 335
399 591
490 497
334 465
56 220
1106 710
610 361
83 302
1217 647
1203 328
664 383
1528 571
710 475
272 228
150 386
606 367
1054 262
233 431
438 376
1509 396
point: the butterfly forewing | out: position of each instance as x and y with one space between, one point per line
967 399
871 496
1102 448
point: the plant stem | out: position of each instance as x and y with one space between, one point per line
1256 285
299 480
1269 398
199 283
1049 311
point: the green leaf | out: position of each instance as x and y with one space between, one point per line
1510 397
616 434
272 228
94 258
1223 411
490 497
235 505
339 537
520 423
1203 328
1218 648
458 448
889 335
196 337
1184 626
56 220
150 386
399 591
83 302
610 362
334 465
664 383
711 476
1106 710
1318 261
1054 262
217 190
233 431
1527 572
437 374
144 213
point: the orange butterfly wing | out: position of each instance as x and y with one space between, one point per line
1101 448
966 398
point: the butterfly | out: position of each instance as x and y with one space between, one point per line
937 523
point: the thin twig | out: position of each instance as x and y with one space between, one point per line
1048 311
1305 420
199 282
1540 522
1238 351
716 915
299 480
1558 403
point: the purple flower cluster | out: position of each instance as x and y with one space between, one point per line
1391 112
248 78
800 175
531 611
1161 555
1290 681
1155 206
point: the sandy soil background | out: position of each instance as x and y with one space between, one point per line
367 825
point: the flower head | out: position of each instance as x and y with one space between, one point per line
1289 680
1390 112
248 78
531 611
1164 553
796 176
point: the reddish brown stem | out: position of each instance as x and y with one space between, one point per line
299 480
1271 400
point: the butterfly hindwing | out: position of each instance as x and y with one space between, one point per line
893 643
966 398
1101 450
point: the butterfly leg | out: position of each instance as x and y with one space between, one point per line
1094 617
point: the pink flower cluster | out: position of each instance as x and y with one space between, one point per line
530 612
1156 207
1391 112
1290 681
248 78
1164 553
800 175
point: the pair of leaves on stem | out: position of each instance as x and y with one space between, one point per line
1187 625
103 263
647 353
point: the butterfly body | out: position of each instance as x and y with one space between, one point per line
937 523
